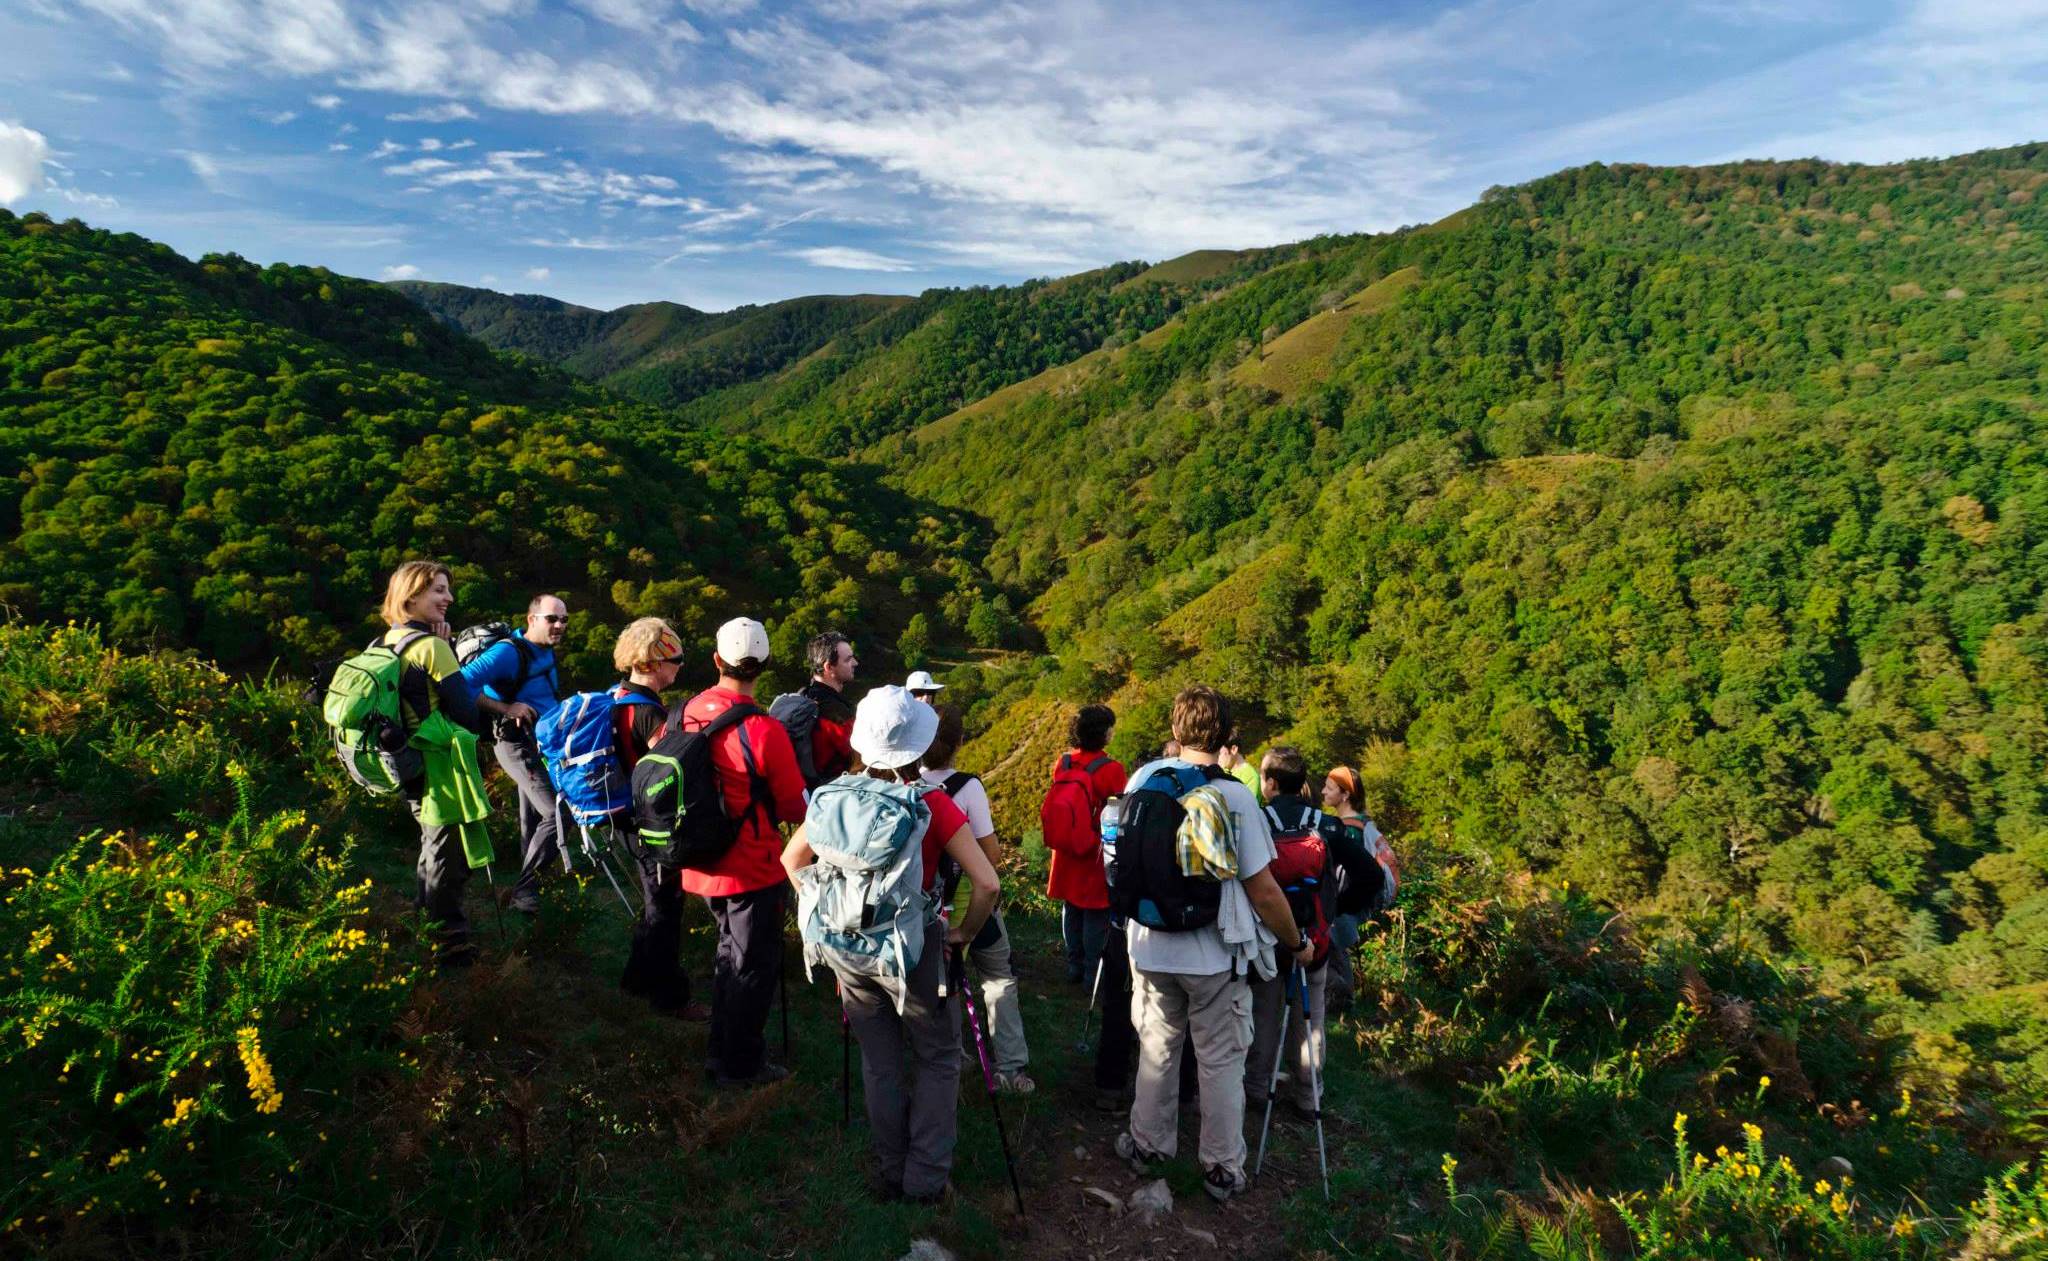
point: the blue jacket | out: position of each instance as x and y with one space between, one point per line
493 671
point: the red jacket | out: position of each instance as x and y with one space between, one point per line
831 749
1081 880
755 859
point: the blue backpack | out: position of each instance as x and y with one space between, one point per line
861 907
578 743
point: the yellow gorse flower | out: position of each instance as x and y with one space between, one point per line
262 1081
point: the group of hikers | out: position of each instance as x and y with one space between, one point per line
1208 905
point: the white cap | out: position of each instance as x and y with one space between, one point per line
741 638
922 681
892 728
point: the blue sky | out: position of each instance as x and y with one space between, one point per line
716 152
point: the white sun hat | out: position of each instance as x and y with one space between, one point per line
922 681
892 728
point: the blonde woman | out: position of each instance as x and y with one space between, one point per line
650 656
416 602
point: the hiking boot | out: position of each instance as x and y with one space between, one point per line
885 1190
1222 1184
944 1195
1017 1083
767 1075
1107 1100
526 902
1143 1163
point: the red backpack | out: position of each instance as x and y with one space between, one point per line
1301 867
1067 816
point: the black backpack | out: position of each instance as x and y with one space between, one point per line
473 641
950 873
1145 880
677 806
798 715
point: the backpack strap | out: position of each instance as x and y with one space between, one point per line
1273 819
757 784
956 781
1066 763
524 651
1101 760
399 650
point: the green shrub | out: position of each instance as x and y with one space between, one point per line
184 1012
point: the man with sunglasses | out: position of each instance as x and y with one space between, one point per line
516 685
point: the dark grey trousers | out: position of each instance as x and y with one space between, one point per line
442 875
743 978
914 1121
539 822
654 966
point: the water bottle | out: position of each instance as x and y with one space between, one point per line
1112 817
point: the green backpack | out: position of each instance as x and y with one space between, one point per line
364 718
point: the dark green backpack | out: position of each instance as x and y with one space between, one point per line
365 720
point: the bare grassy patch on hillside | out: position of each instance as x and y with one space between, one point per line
1188 269
1305 355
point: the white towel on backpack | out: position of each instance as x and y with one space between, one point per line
1244 934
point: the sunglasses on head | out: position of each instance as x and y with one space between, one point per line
673 661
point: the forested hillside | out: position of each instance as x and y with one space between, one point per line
661 351
1668 548
828 374
231 458
1682 534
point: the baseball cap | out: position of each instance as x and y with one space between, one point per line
892 728
922 681
741 638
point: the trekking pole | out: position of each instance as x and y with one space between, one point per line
597 860
1093 991
1273 1079
958 967
782 985
1315 1081
845 1066
499 907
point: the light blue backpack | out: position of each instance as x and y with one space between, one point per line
862 907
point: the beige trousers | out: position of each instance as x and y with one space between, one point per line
1171 1009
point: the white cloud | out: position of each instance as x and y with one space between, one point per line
385 149
279 118
427 144
23 152
450 112
487 279
91 201
202 166
648 17
538 273
325 101
338 147
846 258
399 271
419 166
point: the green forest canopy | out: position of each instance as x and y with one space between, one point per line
231 458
